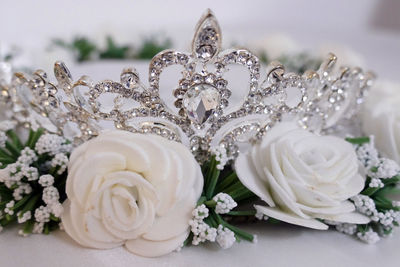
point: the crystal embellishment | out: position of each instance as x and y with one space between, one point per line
200 102
203 116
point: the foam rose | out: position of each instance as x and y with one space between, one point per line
131 189
303 177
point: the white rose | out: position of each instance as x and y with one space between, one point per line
303 176
381 117
132 189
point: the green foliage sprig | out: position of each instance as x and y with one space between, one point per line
85 50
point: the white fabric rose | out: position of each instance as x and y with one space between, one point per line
132 189
381 118
303 176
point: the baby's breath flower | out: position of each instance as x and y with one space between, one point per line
60 160
22 189
200 212
224 203
51 144
369 237
38 228
347 228
9 207
202 232
22 233
31 173
376 183
261 216
50 195
387 168
24 217
225 238
367 153
221 156
46 180
395 203
42 214
27 157
56 209
364 204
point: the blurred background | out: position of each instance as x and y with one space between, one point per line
365 32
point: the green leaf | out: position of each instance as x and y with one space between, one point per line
213 179
151 47
201 200
226 182
35 138
28 227
238 232
188 240
84 47
363 228
391 181
358 140
382 203
370 191
30 137
54 218
15 152
5 154
15 139
21 202
242 213
114 51
31 203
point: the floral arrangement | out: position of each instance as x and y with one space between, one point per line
145 189
32 180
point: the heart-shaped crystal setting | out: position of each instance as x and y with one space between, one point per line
200 102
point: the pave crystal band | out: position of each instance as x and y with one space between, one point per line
199 117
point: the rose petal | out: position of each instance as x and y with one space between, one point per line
276 171
86 230
147 248
352 217
136 157
343 207
146 205
80 181
311 196
175 222
246 174
291 218
281 198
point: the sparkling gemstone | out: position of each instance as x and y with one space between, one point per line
208 36
129 80
205 52
200 101
62 74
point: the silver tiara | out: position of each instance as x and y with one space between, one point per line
201 115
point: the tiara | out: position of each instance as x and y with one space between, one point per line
202 115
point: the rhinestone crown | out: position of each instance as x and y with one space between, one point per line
201 116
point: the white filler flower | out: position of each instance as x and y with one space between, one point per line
303 176
133 189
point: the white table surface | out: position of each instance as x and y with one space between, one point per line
278 245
